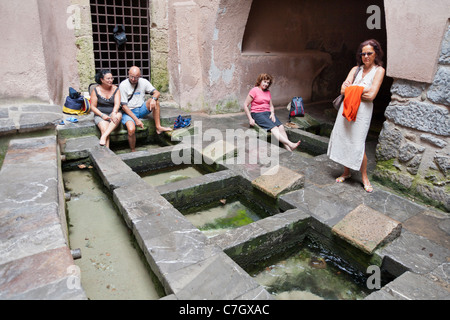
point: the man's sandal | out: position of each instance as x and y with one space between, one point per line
343 178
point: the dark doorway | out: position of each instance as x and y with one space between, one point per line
135 17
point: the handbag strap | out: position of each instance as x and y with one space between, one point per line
356 74
134 91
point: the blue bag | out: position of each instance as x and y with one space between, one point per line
181 122
297 108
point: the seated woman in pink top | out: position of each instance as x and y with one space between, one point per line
263 113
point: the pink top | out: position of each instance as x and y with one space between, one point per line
261 100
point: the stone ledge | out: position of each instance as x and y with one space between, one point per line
367 229
279 180
410 286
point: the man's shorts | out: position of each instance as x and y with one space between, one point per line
140 113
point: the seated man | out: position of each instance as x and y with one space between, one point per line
132 91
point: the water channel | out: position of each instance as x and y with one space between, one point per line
112 265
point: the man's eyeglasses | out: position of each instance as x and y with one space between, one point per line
134 78
363 54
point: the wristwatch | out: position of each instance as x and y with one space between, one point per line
154 98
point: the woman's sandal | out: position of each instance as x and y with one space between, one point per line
368 188
343 178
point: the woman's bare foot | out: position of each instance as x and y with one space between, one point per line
287 148
295 145
102 141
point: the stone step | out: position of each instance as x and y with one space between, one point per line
367 229
279 180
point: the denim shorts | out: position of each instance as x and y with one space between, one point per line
140 113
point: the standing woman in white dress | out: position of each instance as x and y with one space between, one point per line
348 138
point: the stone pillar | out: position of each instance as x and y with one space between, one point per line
159 38
186 53
414 144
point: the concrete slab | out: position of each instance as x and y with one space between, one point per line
279 180
367 229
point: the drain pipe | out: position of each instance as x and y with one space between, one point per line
76 254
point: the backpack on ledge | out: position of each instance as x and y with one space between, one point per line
76 104
297 109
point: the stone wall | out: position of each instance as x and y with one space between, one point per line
84 43
159 46
413 151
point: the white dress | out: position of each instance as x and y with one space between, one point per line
348 139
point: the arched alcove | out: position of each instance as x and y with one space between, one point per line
310 45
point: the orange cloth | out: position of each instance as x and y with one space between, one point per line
352 101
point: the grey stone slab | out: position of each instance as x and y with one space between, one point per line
411 286
53 291
112 170
78 148
146 160
170 242
33 242
139 200
320 204
392 205
441 275
30 273
36 121
215 278
76 130
283 220
413 253
7 126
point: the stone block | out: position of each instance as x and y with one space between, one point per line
30 273
422 116
415 253
217 277
410 286
367 229
305 122
219 151
112 170
279 180
138 201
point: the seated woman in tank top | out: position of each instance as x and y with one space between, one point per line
105 103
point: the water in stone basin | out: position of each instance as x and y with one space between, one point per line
168 175
223 217
310 274
111 265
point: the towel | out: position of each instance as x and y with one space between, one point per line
352 101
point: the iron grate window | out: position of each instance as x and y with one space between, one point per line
135 16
